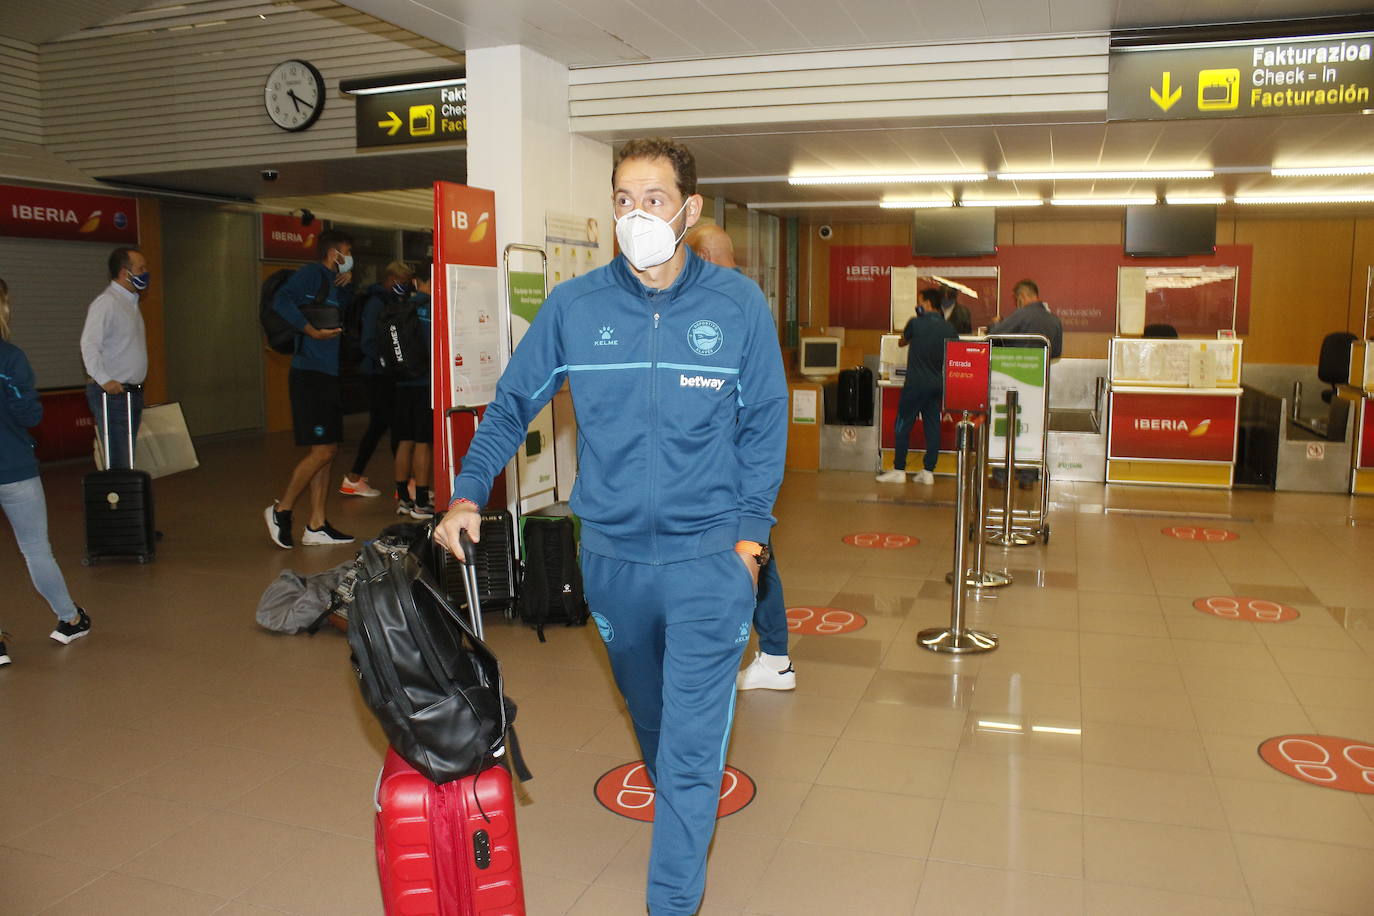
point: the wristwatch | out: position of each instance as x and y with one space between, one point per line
761 553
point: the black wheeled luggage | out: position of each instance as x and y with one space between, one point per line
498 576
119 505
854 397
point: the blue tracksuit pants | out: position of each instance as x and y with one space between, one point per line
674 634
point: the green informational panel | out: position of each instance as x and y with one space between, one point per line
526 294
1022 368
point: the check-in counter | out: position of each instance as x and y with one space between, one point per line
1173 410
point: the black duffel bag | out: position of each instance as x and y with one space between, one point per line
434 686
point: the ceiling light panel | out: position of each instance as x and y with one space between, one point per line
1101 201
1356 198
1300 172
1104 176
909 178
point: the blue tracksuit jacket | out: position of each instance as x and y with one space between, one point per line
681 408
301 289
20 410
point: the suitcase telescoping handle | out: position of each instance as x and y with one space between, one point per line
105 410
469 565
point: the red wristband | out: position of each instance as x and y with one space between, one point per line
460 501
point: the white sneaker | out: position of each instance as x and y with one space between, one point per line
925 477
359 487
893 476
762 674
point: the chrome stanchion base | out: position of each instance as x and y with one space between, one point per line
1015 539
961 642
987 579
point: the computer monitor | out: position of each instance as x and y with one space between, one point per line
818 357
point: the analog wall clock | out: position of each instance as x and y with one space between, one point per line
294 95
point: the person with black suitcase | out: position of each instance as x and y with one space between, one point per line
21 489
114 350
924 387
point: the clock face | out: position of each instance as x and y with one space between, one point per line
294 95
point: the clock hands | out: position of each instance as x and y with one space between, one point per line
295 99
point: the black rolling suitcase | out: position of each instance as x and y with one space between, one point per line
498 578
854 397
119 505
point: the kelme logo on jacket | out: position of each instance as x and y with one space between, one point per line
705 337
605 337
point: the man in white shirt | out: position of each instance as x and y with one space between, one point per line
114 350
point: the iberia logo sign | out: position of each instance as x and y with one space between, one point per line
1166 424
285 239
1183 427
465 225
42 214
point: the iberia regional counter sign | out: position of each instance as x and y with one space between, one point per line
1331 74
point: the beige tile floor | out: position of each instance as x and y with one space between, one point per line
182 761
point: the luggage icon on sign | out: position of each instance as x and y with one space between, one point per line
421 120
1218 90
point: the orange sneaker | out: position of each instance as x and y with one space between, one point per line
358 487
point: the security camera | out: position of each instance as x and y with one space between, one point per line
270 174
825 232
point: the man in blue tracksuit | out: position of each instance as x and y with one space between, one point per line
681 405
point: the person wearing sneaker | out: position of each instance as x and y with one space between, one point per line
681 400
924 387
413 422
21 489
316 398
396 286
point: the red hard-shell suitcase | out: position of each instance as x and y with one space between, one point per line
448 850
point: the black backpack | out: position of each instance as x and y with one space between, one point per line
351 343
401 345
551 591
434 686
281 337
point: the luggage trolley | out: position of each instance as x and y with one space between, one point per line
1028 523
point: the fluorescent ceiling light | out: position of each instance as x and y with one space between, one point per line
1056 730
909 178
1101 201
1008 202
1176 201
1104 176
402 87
1362 198
1323 170
899 204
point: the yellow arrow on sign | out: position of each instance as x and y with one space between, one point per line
393 123
1163 97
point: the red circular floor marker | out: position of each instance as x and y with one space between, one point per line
1323 760
880 540
626 791
1251 610
1194 533
823 621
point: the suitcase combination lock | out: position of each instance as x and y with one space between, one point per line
481 849
113 499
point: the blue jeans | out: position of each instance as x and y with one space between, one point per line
120 411
28 514
926 403
770 613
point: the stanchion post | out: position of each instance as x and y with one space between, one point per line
956 639
979 576
1007 537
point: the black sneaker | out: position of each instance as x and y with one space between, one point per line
4 655
66 632
278 526
323 535
421 511
405 507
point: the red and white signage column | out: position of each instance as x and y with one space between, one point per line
468 351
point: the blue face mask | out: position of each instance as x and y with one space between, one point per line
400 289
140 281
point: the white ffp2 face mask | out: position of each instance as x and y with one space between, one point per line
647 240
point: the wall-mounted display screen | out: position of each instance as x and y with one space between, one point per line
1162 231
956 232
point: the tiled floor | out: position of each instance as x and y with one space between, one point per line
181 760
